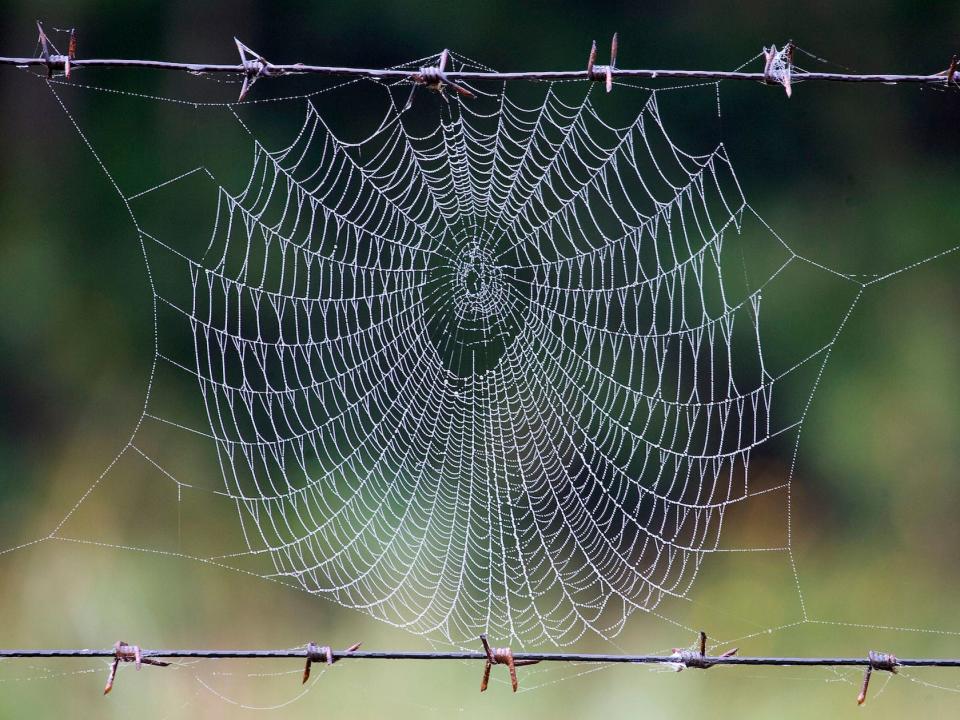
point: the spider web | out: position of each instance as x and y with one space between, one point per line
488 365
482 375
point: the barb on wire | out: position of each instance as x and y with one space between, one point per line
950 74
683 659
255 66
123 652
603 73
436 78
778 66
51 57
316 653
501 656
252 66
876 661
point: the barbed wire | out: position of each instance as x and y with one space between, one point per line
778 69
680 659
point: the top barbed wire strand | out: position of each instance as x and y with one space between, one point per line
473 75
254 66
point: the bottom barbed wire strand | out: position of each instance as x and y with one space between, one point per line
470 655
698 659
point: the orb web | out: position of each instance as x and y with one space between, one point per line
482 375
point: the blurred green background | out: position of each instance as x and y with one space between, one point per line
860 178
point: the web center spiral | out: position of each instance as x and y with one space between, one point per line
475 311
479 284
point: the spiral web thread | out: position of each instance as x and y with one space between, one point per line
485 370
